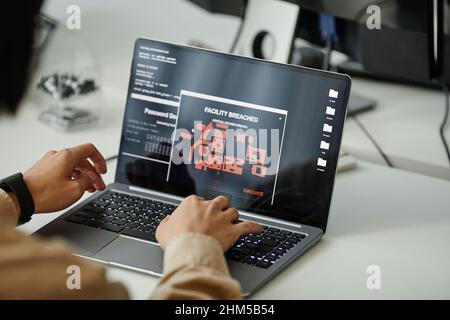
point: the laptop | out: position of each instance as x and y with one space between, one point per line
265 135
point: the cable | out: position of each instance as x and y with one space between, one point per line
111 158
239 31
374 142
237 36
445 120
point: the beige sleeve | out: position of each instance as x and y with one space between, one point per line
195 268
36 269
31 268
8 212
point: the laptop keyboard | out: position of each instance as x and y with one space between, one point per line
139 217
129 215
264 249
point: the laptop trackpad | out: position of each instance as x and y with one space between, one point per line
133 253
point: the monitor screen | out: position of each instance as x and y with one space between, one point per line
265 135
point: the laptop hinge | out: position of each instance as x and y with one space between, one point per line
157 193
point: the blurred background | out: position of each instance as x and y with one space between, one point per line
398 57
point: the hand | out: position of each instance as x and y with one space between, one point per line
60 178
212 218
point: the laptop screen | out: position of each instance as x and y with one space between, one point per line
265 135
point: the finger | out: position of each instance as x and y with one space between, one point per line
222 202
88 150
166 218
232 214
160 231
86 166
82 183
194 197
247 227
49 154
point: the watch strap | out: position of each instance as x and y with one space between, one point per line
17 185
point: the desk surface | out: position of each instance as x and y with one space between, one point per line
394 219
408 241
406 126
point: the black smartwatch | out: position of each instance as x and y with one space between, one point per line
16 185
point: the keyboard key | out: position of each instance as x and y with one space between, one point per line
278 237
244 251
145 228
142 206
286 247
294 240
146 221
106 196
93 209
273 230
139 234
89 214
133 224
251 260
120 222
254 238
280 251
76 219
111 227
138 212
272 258
114 206
100 202
236 256
93 223
134 217
121 214
250 246
108 219
299 236
270 242
264 248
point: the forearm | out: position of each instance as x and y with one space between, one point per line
195 268
35 269
9 209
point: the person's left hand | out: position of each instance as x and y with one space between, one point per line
60 178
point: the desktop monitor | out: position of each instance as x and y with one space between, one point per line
409 47
412 44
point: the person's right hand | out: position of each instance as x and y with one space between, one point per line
213 218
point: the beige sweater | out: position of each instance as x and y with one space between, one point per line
32 268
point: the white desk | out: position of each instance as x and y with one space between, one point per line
397 220
406 126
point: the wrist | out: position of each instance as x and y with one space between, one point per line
20 195
16 203
32 190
